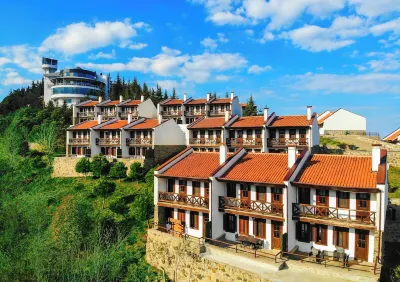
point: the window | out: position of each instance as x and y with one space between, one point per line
303 232
206 190
258 133
281 133
259 227
231 190
343 199
239 133
244 191
230 223
195 132
302 133
182 216
244 225
249 133
272 133
182 186
319 234
218 133
341 237
276 194
292 134
171 185
304 196
322 197
261 193
194 220
196 188
210 134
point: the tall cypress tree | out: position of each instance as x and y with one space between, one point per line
116 88
251 108
174 96
165 95
146 92
158 96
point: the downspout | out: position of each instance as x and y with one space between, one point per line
380 224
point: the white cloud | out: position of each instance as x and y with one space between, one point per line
209 43
268 36
13 78
223 77
249 32
223 18
135 46
23 56
4 60
321 68
142 25
102 55
384 61
257 69
371 83
222 38
81 37
374 8
338 35
390 26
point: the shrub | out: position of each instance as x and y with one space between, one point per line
83 166
79 187
99 166
118 170
119 206
136 171
104 189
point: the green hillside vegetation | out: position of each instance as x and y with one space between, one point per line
394 182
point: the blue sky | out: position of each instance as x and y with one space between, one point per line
286 53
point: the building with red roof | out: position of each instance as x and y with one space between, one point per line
341 122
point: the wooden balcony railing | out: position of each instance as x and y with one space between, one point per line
108 141
287 141
139 141
321 212
205 141
183 199
216 112
171 113
86 114
109 114
195 112
79 141
245 142
125 114
250 205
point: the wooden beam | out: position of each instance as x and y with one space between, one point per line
336 188
256 215
338 223
182 207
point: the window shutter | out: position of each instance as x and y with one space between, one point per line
255 228
235 223
298 230
324 235
335 236
314 233
225 221
346 239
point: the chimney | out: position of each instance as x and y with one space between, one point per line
100 99
208 96
99 119
222 154
159 118
266 113
227 116
376 156
129 118
291 155
121 98
142 98
309 108
232 95
74 114
184 97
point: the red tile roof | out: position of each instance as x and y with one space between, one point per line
197 102
216 122
393 136
85 125
268 168
195 165
110 103
286 121
132 103
174 102
256 121
146 124
173 158
89 104
338 171
115 125
221 101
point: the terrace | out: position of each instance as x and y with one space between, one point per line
244 205
108 141
139 141
183 199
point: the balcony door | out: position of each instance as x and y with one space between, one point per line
171 186
303 137
276 230
282 138
304 196
276 199
196 188
363 207
322 202
182 216
182 187
243 225
361 248
292 134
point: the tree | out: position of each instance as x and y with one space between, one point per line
118 170
119 206
83 166
46 137
99 166
158 95
251 108
174 96
104 189
136 170
116 88
146 92
165 95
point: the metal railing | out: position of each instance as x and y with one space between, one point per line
139 141
245 142
171 113
192 200
108 114
205 141
79 141
287 141
86 114
108 141
250 205
357 216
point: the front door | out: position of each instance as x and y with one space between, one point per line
363 207
276 230
361 249
243 225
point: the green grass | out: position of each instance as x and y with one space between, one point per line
394 182
331 142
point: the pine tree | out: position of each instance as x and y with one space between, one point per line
165 95
137 91
116 88
251 108
174 96
158 95
146 92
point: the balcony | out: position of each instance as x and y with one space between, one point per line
109 114
217 113
195 112
172 113
86 114
78 141
250 206
283 142
332 213
183 199
108 141
124 115
245 142
205 142
139 141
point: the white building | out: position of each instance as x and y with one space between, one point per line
72 86
341 121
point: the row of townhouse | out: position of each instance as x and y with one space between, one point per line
320 201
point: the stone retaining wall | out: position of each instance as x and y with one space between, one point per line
182 261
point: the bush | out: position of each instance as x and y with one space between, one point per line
119 206
79 187
118 170
104 189
136 171
83 166
99 166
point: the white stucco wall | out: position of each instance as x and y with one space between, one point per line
95 150
315 134
168 133
345 120
236 108
147 109
217 217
